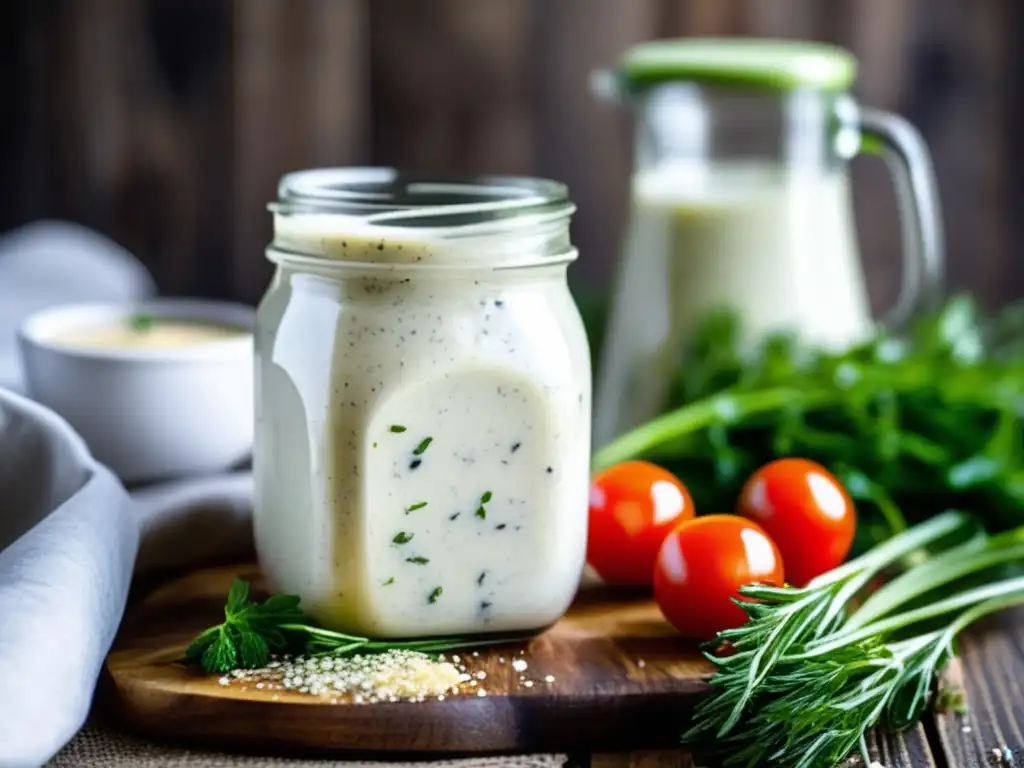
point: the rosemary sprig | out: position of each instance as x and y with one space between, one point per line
787 617
251 631
822 705
812 674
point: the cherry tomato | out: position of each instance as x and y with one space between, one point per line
633 506
701 566
806 511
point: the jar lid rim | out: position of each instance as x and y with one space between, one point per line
773 64
394 198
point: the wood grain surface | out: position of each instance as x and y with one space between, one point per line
620 679
990 670
910 749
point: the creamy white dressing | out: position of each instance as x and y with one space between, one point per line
422 436
777 247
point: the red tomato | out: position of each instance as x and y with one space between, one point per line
701 566
633 506
806 511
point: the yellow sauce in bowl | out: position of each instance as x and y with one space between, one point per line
147 332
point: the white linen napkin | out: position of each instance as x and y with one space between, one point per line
70 535
63 581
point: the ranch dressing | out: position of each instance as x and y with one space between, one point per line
777 247
422 436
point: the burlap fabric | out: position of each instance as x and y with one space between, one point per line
101 745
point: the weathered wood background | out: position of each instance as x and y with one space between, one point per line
166 123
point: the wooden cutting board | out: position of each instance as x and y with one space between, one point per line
612 674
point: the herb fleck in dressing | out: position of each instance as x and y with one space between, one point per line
439 440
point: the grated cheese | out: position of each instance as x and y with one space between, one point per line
395 675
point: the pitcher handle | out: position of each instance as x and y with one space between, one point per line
906 154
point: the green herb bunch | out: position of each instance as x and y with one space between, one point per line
811 671
251 631
912 422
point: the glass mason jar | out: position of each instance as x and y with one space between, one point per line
741 200
423 397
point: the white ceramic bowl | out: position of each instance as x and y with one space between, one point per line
148 414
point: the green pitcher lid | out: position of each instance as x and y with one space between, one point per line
751 62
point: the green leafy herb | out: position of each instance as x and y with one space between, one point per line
417 560
424 443
247 635
141 322
251 631
480 511
397 428
809 673
912 422
388 581
417 505
435 595
402 537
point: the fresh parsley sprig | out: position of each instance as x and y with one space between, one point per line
248 634
251 631
912 421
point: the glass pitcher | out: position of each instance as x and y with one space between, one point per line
740 199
